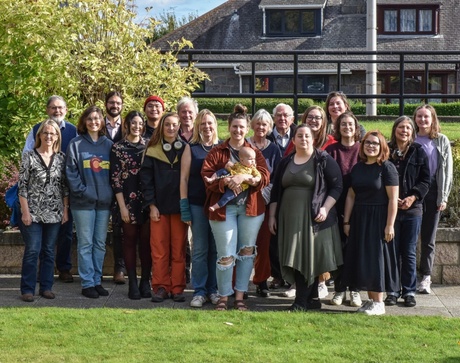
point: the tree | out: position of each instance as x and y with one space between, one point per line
167 23
80 49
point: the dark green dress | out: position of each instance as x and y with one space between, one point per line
299 248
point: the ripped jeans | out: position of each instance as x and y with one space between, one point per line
232 236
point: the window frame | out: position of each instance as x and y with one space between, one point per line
435 9
317 18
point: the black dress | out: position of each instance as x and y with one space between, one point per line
367 251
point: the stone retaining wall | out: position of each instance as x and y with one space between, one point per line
446 265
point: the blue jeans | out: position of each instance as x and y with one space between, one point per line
64 246
91 227
407 228
40 240
232 235
204 254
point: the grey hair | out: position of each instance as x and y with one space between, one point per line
187 100
263 115
283 104
54 98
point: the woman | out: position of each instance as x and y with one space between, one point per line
125 163
88 176
346 153
414 182
43 196
235 226
315 117
336 104
187 109
437 147
308 235
160 178
262 125
370 212
193 196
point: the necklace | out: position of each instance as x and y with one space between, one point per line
264 145
207 148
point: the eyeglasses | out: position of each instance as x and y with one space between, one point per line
96 119
114 103
55 108
49 134
371 143
285 115
316 118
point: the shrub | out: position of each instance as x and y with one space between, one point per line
8 177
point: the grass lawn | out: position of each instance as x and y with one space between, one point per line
173 335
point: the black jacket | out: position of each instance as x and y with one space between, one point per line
328 183
416 174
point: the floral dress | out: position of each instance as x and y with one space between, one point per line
125 164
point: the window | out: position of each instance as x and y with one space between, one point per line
408 19
284 84
289 23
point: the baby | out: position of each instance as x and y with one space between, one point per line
246 165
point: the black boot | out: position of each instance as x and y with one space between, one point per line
144 284
133 291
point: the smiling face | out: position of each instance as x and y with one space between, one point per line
114 106
170 128
261 128
347 127
404 132
283 119
56 110
314 119
154 111
336 107
48 136
207 127
136 126
93 122
187 115
238 130
371 148
424 121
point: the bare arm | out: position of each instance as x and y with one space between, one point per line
392 192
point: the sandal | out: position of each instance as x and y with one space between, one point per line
221 305
240 305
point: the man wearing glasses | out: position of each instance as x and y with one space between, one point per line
56 108
283 117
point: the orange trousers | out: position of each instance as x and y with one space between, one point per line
262 267
168 239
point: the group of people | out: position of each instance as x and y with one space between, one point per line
291 202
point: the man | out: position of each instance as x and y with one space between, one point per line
113 121
56 108
114 128
283 117
154 107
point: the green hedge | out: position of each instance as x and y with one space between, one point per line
225 105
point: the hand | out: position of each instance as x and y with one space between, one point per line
442 206
346 230
65 216
124 214
272 225
235 184
26 219
154 213
389 233
406 203
322 215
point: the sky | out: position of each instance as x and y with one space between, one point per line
179 7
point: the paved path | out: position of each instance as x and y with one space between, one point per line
443 301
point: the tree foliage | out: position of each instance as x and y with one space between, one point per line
80 50
166 23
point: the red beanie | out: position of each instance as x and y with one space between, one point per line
154 98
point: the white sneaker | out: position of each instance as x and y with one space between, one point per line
365 306
214 298
377 308
197 301
289 292
425 285
322 290
355 299
338 298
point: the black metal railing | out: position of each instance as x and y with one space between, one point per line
424 62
